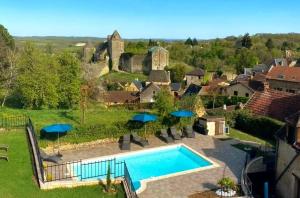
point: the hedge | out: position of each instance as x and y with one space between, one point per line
221 100
244 120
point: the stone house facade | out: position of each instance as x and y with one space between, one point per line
157 59
284 79
239 89
288 159
148 93
194 77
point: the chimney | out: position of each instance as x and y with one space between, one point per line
169 75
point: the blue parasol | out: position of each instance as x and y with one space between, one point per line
57 128
144 118
182 114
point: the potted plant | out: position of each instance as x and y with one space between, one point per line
227 187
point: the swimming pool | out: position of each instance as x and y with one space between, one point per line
153 164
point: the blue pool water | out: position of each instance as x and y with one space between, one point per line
148 164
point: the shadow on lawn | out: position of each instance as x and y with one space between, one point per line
66 114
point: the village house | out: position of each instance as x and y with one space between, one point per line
159 77
287 178
119 97
135 85
240 89
175 89
149 92
284 79
194 77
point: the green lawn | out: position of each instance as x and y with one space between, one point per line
16 176
236 134
96 115
124 77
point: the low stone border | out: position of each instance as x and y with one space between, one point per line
74 183
65 147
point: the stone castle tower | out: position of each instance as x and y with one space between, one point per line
115 49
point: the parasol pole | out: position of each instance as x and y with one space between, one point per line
58 153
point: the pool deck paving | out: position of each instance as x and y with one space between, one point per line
230 160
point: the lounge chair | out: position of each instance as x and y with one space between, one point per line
175 135
4 157
125 142
188 131
138 140
3 147
164 135
49 158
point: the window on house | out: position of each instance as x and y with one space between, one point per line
153 92
291 91
278 88
247 94
235 93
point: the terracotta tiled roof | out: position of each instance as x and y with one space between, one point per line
120 97
284 73
259 77
273 103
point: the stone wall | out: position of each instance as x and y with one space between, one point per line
160 59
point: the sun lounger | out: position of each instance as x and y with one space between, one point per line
4 157
3 147
138 140
125 142
175 135
188 131
49 158
164 135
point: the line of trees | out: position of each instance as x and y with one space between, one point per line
36 79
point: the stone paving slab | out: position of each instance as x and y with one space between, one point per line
230 159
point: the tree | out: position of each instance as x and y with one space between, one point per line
244 58
69 80
195 42
269 44
6 37
152 43
10 75
164 102
246 41
189 41
37 79
192 103
287 46
177 73
8 59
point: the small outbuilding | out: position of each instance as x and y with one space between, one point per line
215 125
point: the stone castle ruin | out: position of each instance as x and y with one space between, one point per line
111 53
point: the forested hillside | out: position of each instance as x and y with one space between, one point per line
229 54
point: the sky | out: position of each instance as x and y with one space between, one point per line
165 19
